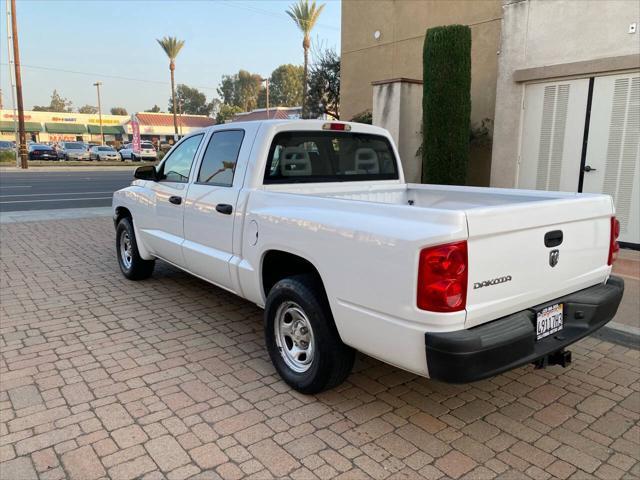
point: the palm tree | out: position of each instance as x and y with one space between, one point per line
305 15
172 47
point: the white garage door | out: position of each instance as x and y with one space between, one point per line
584 135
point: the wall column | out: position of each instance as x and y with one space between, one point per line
397 107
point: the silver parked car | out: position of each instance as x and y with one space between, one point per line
147 152
103 152
74 151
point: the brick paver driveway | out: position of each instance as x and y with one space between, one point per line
102 377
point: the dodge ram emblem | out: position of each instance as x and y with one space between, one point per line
554 255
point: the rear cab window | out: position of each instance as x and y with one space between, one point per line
310 156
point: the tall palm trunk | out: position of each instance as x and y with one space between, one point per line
306 43
172 67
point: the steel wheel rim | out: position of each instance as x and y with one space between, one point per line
294 337
125 250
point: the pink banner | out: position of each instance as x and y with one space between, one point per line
135 129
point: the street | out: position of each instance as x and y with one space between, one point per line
33 190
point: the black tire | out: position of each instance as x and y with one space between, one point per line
137 268
332 360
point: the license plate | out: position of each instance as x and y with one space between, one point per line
549 320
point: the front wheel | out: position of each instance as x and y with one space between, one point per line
301 336
131 264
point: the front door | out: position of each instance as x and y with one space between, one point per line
612 163
162 230
211 206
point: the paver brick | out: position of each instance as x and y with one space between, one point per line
83 464
167 453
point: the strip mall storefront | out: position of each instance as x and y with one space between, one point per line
58 127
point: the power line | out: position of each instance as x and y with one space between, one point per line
103 75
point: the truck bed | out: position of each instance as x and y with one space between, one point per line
505 235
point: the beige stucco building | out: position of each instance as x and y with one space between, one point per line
383 40
568 101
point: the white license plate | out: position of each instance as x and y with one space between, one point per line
549 320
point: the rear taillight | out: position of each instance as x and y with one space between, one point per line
442 278
613 240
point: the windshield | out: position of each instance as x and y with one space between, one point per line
106 149
74 146
303 157
146 145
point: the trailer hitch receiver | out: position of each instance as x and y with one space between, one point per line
559 357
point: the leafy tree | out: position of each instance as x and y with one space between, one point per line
241 90
88 109
363 117
305 15
154 109
191 100
324 85
285 86
119 111
227 112
172 47
446 104
57 104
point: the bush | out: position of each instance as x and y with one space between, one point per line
7 156
446 104
363 117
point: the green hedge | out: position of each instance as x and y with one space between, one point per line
446 104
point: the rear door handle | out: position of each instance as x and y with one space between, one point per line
224 208
176 200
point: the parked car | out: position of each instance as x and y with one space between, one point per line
74 151
147 152
6 145
313 221
42 152
103 152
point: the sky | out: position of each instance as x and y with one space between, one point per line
69 45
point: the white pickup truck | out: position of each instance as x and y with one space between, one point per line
314 222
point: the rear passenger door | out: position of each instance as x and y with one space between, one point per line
210 207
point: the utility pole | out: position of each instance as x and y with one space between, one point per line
12 83
16 64
97 85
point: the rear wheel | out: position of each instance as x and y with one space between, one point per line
131 264
301 336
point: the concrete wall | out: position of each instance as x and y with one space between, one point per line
394 109
551 36
398 54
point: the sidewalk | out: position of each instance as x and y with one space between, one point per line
169 378
627 266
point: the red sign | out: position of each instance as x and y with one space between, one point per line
135 129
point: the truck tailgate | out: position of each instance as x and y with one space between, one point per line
510 267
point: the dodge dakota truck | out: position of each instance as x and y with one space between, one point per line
313 221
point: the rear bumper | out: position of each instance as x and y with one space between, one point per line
509 342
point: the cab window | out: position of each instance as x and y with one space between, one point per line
177 165
220 158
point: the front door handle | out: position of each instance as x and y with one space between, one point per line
224 208
176 200
589 168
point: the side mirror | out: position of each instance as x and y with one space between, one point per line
147 172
